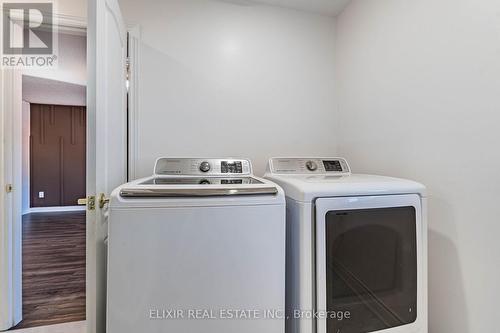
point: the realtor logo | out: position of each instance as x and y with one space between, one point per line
28 36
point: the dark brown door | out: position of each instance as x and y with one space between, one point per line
57 155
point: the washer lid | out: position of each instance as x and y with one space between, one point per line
187 191
170 187
199 177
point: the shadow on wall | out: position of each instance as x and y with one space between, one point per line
447 302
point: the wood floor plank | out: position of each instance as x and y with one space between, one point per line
53 268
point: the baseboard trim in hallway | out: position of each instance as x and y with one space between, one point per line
56 209
74 327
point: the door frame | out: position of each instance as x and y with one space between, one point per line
324 205
133 55
10 200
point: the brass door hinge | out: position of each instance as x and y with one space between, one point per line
127 67
9 188
88 201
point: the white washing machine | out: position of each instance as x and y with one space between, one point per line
199 247
356 249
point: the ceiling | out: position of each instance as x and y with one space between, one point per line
324 7
45 91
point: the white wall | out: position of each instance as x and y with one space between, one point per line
419 97
73 8
72 61
219 79
72 47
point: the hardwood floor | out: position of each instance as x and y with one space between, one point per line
53 268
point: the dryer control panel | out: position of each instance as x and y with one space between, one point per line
301 166
202 166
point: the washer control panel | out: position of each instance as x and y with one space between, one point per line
202 166
301 166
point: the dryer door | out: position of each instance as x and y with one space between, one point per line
368 263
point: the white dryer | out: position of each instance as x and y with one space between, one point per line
199 247
356 249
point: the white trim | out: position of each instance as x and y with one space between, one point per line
72 327
55 209
5 247
67 24
90 278
71 24
134 38
17 204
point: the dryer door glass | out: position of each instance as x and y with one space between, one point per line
371 269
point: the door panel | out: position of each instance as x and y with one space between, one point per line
367 259
106 143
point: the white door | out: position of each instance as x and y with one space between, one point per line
370 264
106 141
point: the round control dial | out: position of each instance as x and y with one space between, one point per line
311 166
205 166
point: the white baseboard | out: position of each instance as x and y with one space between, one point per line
73 327
54 209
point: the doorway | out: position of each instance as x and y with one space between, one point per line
53 179
57 149
107 132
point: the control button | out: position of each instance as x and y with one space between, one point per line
204 166
311 166
205 182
